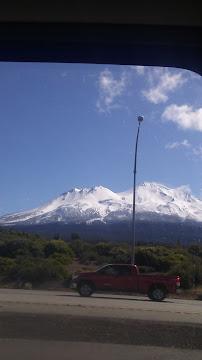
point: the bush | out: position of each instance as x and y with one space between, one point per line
88 256
103 249
6 266
197 273
162 259
28 258
151 257
119 255
146 269
38 270
21 247
186 272
195 250
61 259
58 247
78 247
103 260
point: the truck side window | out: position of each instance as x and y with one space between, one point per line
124 270
108 270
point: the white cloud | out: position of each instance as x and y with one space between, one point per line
171 146
139 69
193 75
184 116
110 89
162 82
197 151
194 150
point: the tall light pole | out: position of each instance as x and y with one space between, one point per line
140 119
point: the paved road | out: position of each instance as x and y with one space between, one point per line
127 320
125 307
32 350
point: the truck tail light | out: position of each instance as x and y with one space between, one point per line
177 281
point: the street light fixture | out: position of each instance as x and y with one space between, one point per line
140 120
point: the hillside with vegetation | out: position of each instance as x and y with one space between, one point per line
27 260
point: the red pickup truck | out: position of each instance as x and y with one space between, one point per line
126 278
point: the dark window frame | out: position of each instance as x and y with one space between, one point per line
152 45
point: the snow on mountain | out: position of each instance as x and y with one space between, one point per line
101 204
159 199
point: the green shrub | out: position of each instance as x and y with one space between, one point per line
119 255
88 256
6 266
61 259
103 249
38 270
146 269
57 247
161 258
103 260
78 247
151 257
186 272
21 247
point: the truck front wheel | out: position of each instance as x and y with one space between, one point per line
85 289
157 293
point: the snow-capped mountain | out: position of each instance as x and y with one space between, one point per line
89 205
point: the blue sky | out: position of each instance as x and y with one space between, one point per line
74 125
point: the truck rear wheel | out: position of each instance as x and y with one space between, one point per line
157 293
85 289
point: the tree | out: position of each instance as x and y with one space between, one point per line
59 247
103 249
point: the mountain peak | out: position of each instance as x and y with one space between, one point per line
153 185
100 203
76 190
99 188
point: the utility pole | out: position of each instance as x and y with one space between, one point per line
140 120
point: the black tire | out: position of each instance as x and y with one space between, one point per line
157 293
85 289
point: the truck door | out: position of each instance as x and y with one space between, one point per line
126 279
106 277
